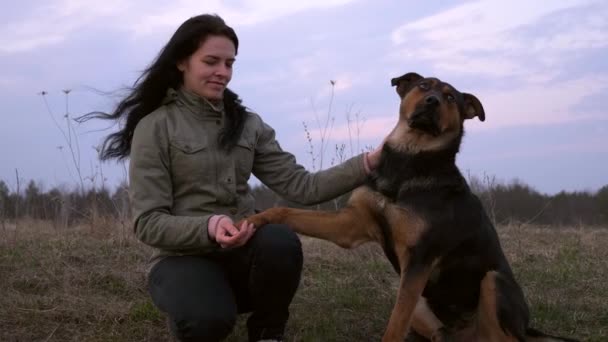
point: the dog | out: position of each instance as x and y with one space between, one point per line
455 281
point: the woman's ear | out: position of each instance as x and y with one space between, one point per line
181 65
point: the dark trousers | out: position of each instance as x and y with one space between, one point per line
202 295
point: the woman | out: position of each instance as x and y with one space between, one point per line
192 147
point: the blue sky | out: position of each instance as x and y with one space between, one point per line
540 69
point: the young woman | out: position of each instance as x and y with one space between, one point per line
192 148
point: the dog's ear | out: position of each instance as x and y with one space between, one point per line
473 107
405 82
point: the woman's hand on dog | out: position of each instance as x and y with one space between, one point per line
372 159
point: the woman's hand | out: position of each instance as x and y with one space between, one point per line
372 159
226 234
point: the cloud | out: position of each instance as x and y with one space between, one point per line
52 23
28 43
241 13
49 24
499 38
11 82
481 19
520 49
537 104
586 144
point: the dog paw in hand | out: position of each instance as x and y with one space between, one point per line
258 220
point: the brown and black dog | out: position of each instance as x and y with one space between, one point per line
456 283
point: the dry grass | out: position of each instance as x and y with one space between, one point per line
87 284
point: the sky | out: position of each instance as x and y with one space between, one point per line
540 68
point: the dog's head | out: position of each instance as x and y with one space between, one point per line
431 114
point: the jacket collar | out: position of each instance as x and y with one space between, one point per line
198 105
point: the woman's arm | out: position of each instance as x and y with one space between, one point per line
279 170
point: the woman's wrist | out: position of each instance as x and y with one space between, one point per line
212 224
366 163
372 159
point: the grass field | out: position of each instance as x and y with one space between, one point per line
87 284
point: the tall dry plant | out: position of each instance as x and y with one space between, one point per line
96 180
324 125
3 215
69 135
17 208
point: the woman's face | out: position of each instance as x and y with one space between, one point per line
209 69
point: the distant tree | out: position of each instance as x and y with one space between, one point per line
55 208
573 208
4 193
516 202
601 198
33 200
519 203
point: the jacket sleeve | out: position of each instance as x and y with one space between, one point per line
152 196
279 170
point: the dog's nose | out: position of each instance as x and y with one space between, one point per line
431 100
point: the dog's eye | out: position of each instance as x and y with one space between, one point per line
424 86
451 98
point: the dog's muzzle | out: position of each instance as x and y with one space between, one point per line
426 116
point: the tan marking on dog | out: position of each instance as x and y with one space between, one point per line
450 120
425 322
488 325
409 225
410 291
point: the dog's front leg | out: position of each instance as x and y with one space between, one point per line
413 281
347 227
425 323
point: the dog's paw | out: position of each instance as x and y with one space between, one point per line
258 220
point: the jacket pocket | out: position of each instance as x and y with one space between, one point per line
190 161
243 154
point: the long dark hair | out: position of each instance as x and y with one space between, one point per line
150 88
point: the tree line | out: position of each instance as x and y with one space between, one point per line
63 206
506 203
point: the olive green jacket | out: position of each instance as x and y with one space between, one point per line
179 177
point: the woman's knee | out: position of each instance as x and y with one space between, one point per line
278 248
278 239
196 296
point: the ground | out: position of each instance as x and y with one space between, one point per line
88 284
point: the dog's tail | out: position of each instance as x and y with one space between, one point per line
533 335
